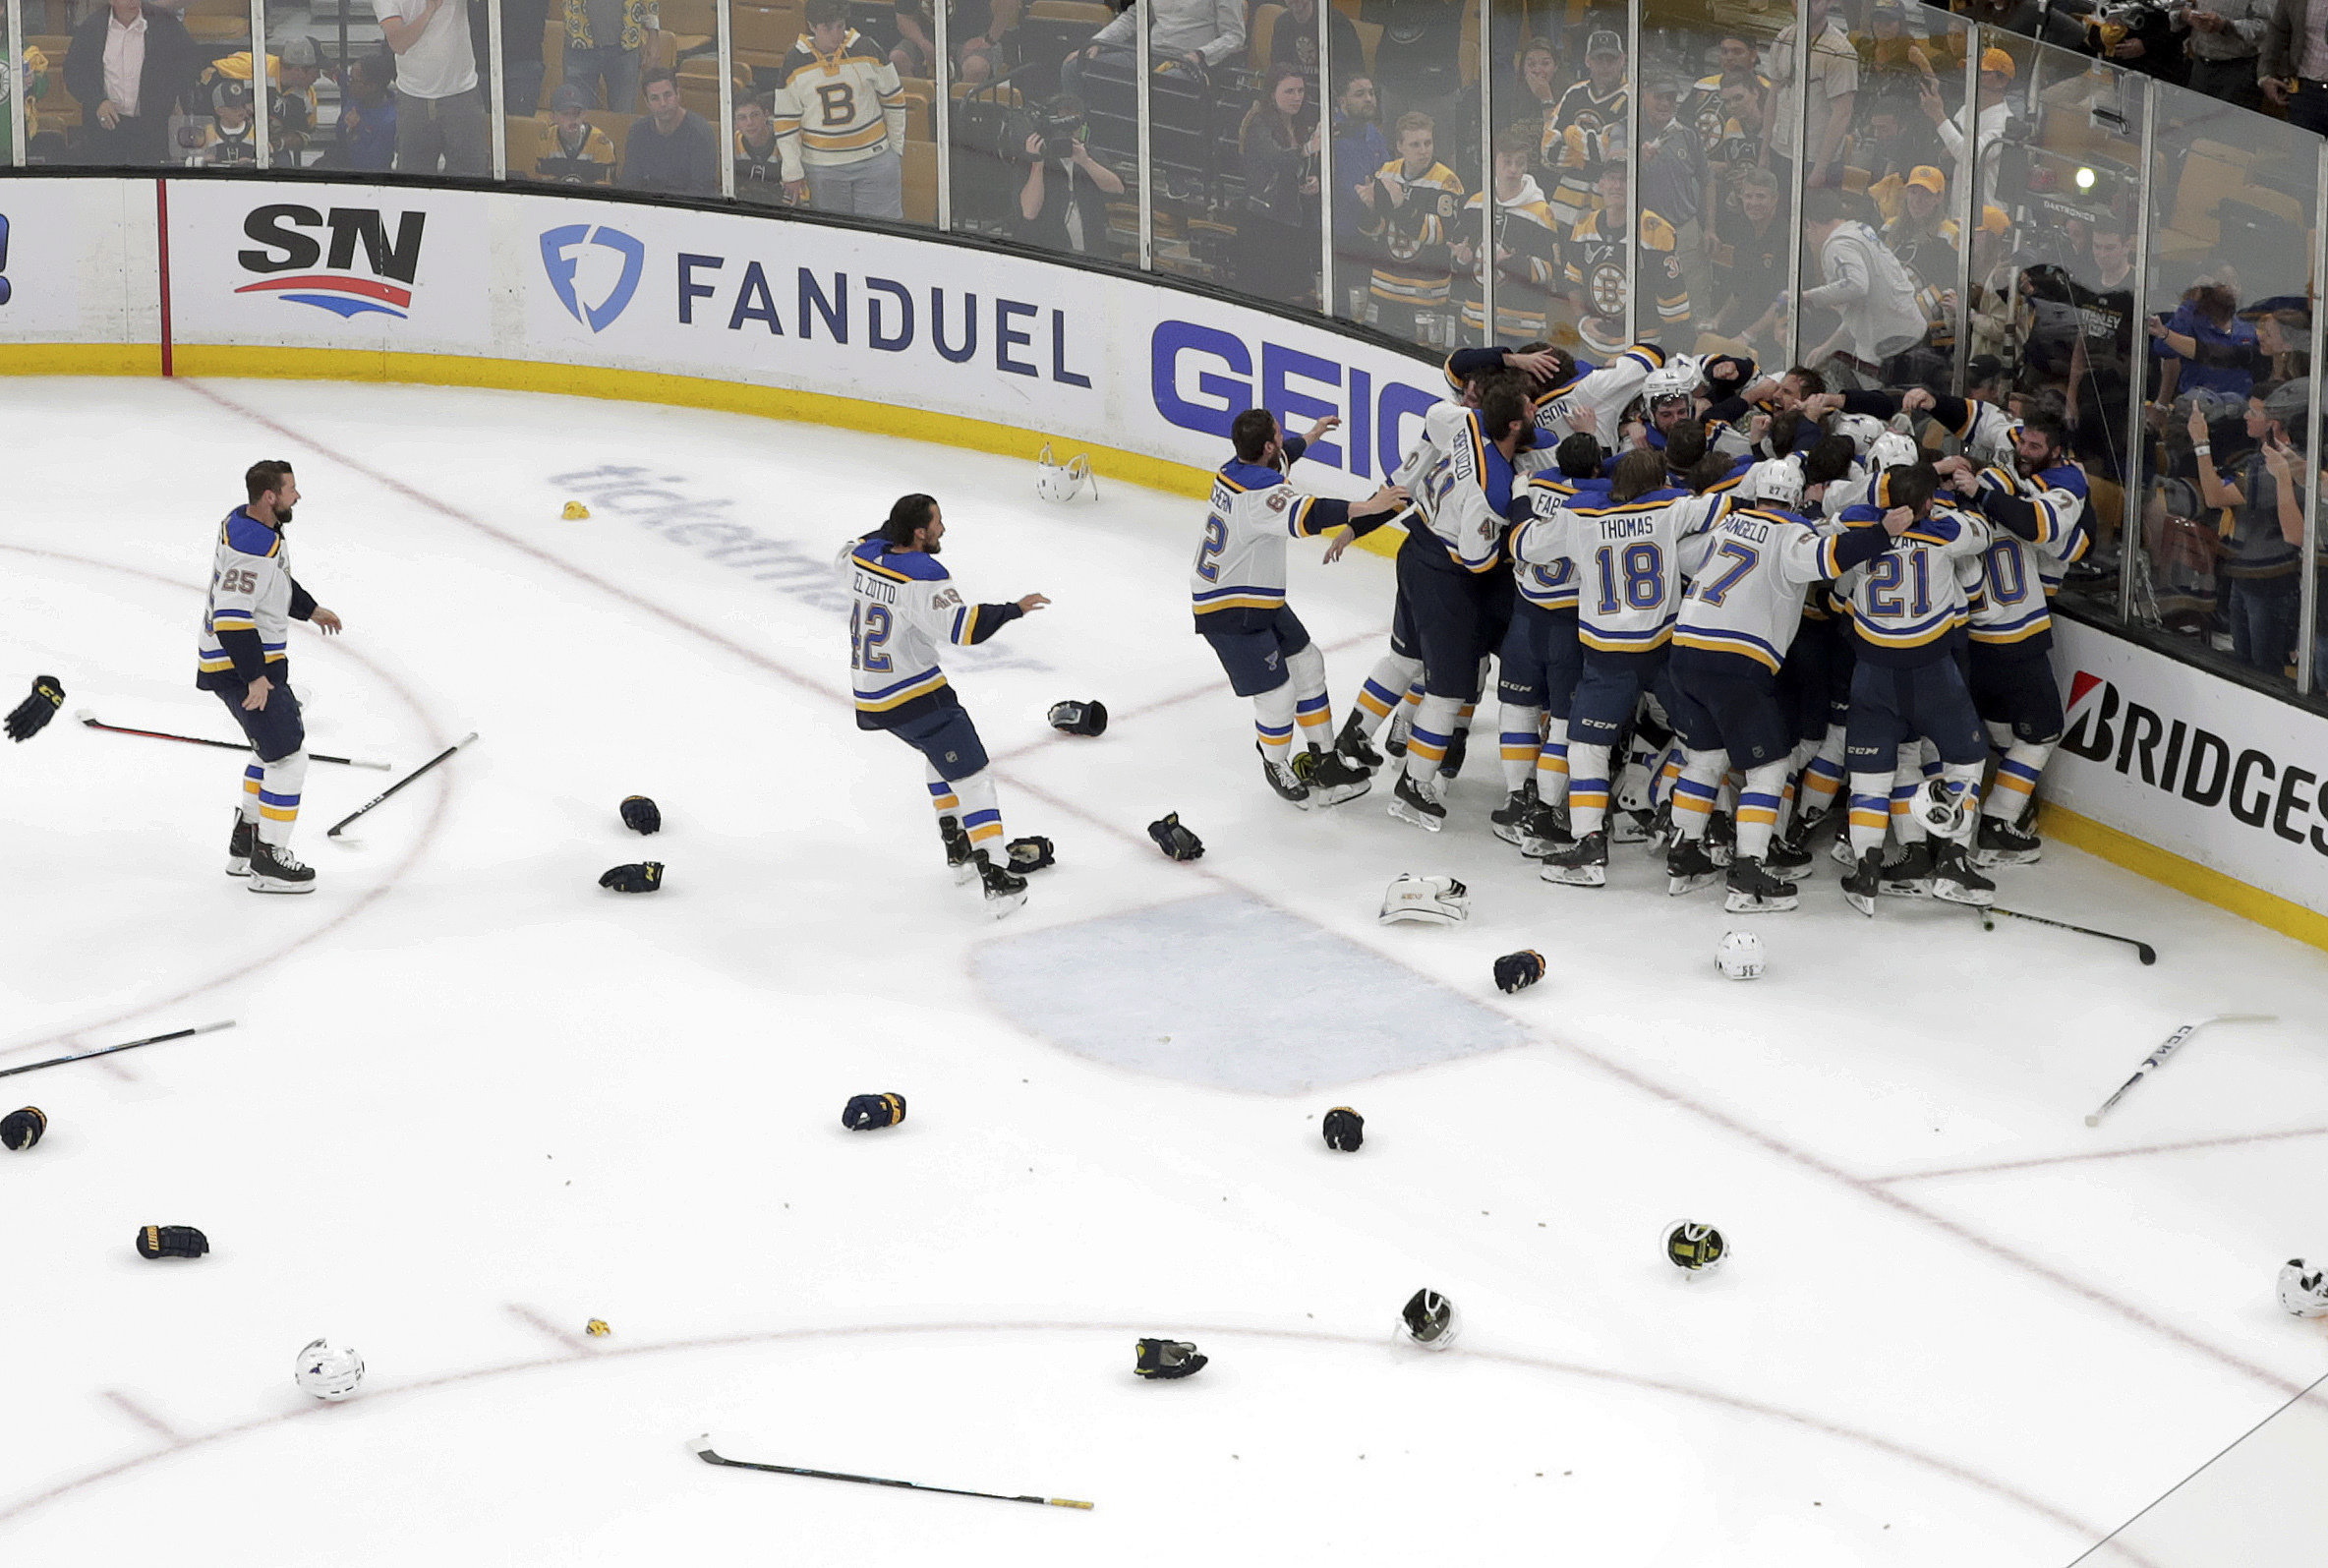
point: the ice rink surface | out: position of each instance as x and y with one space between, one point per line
474 1101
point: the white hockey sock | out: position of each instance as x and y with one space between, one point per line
1587 787
1551 764
279 785
1694 789
1313 710
1385 687
1273 722
2016 789
1871 811
1759 808
981 817
1521 733
247 803
1434 727
1906 780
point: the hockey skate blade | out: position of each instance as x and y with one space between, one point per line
1682 887
1005 905
1951 893
1339 795
1577 876
1985 859
1754 904
1839 851
1421 819
259 884
1862 902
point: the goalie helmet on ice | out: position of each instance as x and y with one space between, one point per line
327 1371
1428 1319
2303 1287
1432 901
1740 956
1070 481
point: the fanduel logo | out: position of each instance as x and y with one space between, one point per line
2174 757
294 240
567 254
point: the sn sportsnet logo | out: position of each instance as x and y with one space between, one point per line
350 261
2178 758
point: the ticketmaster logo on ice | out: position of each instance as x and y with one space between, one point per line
586 262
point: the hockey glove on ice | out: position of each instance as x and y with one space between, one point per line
48 695
643 876
639 815
1175 840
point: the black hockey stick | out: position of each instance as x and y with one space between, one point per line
334 831
702 1447
90 720
151 1039
2142 949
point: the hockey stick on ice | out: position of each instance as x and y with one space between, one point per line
702 1449
334 831
2159 1056
90 720
151 1039
2142 949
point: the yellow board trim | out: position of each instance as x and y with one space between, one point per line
2200 881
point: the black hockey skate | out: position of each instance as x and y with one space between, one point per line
2005 843
1402 725
1583 864
1752 890
1788 857
959 856
1458 748
1332 777
274 870
1722 838
1283 780
238 848
1510 819
1910 876
1004 890
1418 804
1954 881
1354 744
1688 867
1545 832
1865 883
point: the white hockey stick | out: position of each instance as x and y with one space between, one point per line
2159 1056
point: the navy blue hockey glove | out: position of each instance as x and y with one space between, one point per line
1176 842
639 815
26 718
1517 972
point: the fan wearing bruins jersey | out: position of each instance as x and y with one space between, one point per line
839 119
1537 665
1747 574
1907 609
1412 207
1589 116
904 607
1594 260
245 657
1237 590
2036 507
759 160
1516 236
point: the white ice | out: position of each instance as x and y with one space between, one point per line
473 1101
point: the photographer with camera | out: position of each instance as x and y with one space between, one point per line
1054 210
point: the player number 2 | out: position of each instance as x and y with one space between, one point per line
1216 540
1644 573
868 629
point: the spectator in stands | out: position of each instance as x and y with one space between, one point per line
1746 139
1418 60
1277 237
1704 107
2223 38
1410 204
2204 346
2102 363
759 169
1056 209
1892 64
578 153
980 32
33 80
439 113
2263 523
840 115
1752 242
1997 74
291 72
1185 38
1921 233
1295 42
1359 150
366 115
609 41
128 65
2139 37
1834 69
671 149
523 25
1516 238
1675 178
231 137
1866 287
2292 62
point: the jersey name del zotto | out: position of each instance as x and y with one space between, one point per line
903 606
1747 574
1238 582
2019 576
253 600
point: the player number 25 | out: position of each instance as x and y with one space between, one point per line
238 582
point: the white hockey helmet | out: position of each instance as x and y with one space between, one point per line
1940 806
1070 481
1428 1319
1431 901
1740 956
2303 1287
1862 429
1678 376
1892 451
1775 482
327 1371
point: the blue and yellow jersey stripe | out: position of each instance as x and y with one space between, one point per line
900 693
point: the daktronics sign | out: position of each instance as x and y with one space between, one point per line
307 257
2215 773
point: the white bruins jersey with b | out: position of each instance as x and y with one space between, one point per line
1747 574
250 591
840 108
1604 392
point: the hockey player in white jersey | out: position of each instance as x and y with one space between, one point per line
1907 608
903 606
1747 574
244 656
1539 663
1565 394
1237 590
2035 503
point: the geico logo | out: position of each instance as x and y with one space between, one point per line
2181 759
891 316
1202 377
288 247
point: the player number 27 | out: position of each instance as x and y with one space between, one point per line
1643 570
1710 590
868 629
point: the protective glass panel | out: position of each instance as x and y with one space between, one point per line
1858 312
567 119
1735 272
2227 332
2259 1501
143 103
1509 240
302 98
21 92
428 117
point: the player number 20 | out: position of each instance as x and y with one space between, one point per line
869 628
1643 569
